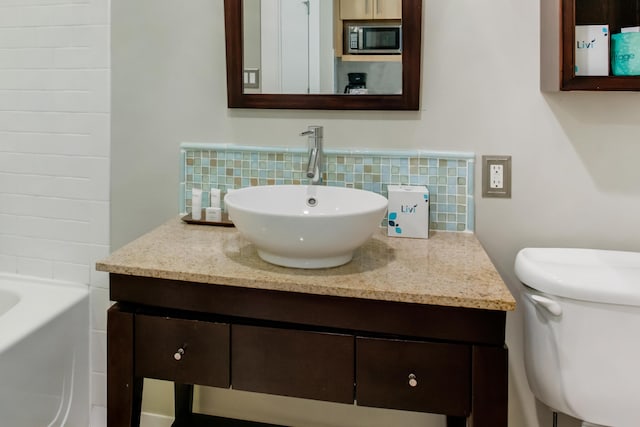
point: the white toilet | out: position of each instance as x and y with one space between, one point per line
582 332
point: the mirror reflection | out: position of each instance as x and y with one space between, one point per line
322 47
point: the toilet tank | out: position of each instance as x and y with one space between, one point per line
582 320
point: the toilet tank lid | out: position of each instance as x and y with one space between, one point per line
595 275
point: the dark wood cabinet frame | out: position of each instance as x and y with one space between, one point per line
472 335
411 77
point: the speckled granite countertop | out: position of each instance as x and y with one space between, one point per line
450 269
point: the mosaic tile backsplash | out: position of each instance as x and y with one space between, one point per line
448 176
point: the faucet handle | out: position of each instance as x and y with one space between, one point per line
313 130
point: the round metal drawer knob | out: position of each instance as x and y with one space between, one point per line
413 381
178 354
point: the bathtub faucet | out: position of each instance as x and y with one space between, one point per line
314 171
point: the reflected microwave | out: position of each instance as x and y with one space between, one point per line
372 38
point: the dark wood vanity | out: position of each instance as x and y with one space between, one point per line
227 319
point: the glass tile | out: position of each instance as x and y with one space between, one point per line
447 177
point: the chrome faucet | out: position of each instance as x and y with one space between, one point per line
314 171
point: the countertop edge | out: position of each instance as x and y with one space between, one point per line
492 305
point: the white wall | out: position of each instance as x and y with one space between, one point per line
575 174
54 148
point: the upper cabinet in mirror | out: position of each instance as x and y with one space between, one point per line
324 54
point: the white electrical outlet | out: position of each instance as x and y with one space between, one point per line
497 176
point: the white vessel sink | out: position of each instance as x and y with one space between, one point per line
305 226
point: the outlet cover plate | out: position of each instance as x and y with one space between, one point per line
505 190
251 78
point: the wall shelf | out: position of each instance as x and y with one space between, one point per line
557 41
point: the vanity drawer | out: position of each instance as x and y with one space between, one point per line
205 350
412 375
305 364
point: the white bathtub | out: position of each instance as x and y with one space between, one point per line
44 353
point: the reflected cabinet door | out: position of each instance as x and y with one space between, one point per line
370 9
356 9
387 9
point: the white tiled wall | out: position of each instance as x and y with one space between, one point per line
54 149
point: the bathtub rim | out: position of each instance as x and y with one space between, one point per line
49 298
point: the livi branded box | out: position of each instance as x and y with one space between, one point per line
408 211
592 50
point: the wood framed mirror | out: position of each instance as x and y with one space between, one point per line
408 97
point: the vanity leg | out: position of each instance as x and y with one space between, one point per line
136 404
124 390
183 401
489 394
456 421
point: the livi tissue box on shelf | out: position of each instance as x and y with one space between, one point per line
592 50
408 211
